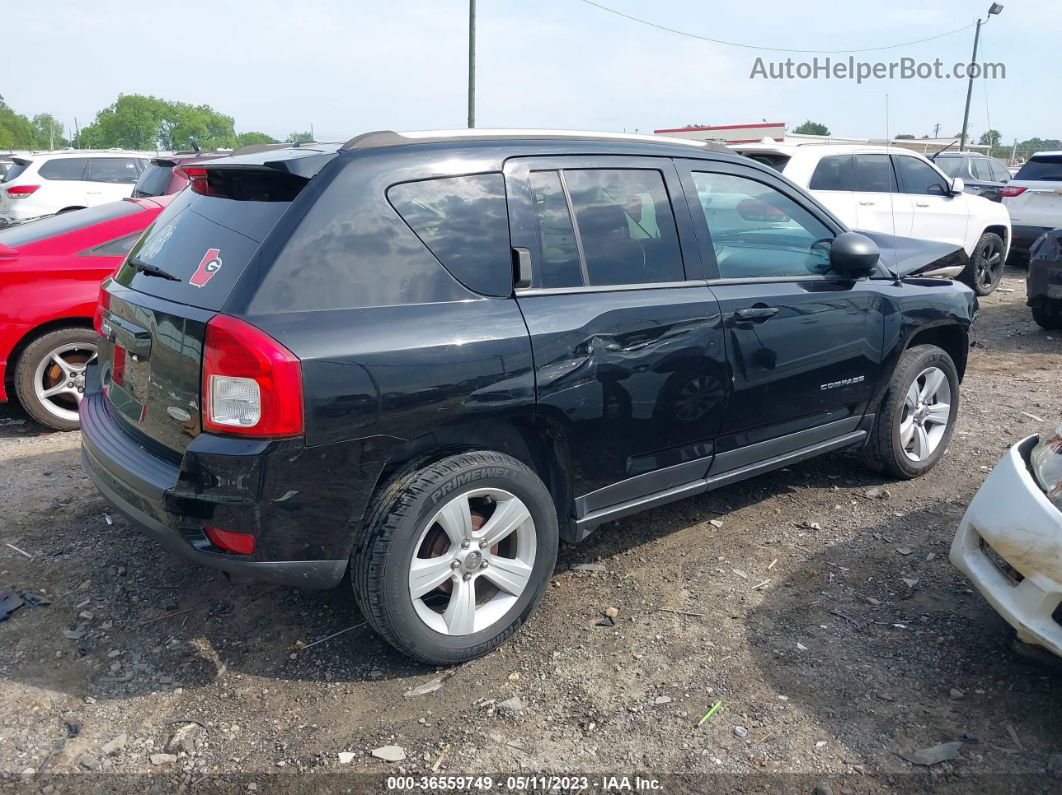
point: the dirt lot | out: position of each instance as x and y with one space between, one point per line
820 611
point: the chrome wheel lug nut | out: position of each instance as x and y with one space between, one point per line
483 565
467 577
466 544
482 544
455 563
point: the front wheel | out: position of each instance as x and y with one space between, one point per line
455 556
50 376
1047 313
985 270
917 415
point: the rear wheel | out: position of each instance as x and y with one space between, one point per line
917 415
985 270
50 376
1047 314
455 556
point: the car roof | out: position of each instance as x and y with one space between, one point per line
1048 152
381 138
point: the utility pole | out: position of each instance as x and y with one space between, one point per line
77 135
936 130
993 10
471 63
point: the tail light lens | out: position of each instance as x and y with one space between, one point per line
240 543
197 179
102 303
252 385
1010 192
21 191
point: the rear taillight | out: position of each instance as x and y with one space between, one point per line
252 385
21 191
197 179
1009 192
102 303
240 543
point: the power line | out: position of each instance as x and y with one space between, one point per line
767 49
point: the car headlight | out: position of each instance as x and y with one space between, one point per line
1046 463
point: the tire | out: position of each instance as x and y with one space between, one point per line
897 416
401 526
1047 314
986 266
36 367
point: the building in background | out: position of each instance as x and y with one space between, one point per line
775 132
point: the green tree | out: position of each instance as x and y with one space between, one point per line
253 137
135 121
992 139
299 138
16 131
812 128
49 131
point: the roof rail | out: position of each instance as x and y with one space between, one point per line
381 138
250 149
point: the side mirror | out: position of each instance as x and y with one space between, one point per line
853 255
957 186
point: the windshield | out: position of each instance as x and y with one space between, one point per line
1042 167
952 166
154 181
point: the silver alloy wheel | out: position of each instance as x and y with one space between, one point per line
991 263
468 568
926 410
59 381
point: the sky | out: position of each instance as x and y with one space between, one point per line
349 66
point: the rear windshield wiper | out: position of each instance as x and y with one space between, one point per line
148 269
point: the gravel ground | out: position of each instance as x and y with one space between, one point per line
816 605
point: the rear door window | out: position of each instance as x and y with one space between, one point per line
919 178
952 166
464 221
559 264
625 226
118 170
982 169
64 168
999 171
1042 167
874 174
833 173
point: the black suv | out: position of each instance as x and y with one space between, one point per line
982 175
429 358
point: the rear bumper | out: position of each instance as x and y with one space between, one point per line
1024 236
1011 520
146 489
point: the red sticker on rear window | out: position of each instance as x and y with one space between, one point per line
208 266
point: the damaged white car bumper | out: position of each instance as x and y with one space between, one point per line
1010 546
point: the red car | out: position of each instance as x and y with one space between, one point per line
50 274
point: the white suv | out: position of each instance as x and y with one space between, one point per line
898 192
49 183
1034 199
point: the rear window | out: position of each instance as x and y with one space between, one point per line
205 242
952 166
465 223
17 168
1042 167
154 181
55 225
777 162
64 168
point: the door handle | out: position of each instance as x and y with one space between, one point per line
521 267
757 314
921 204
867 204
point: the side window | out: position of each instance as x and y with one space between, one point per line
63 168
116 170
465 223
982 169
559 265
873 174
625 225
999 171
115 248
759 232
833 172
919 178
